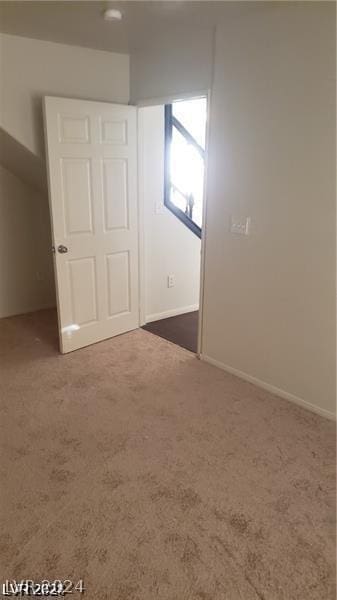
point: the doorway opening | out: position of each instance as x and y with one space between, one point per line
120 263
172 173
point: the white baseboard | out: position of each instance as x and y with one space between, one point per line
270 388
173 312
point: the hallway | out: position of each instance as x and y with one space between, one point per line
181 330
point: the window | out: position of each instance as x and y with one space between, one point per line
185 132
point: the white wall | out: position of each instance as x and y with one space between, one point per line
169 247
31 69
26 272
172 64
269 307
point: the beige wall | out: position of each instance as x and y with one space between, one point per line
31 69
269 305
172 64
26 272
169 246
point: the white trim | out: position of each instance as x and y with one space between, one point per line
141 220
270 388
204 231
204 208
173 312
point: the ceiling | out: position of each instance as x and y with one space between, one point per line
80 23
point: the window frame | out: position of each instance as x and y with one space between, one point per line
170 122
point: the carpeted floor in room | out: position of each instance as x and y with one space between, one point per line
152 476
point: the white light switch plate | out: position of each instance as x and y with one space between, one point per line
240 225
171 281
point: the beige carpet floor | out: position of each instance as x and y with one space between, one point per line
153 476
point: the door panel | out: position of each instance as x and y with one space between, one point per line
73 129
77 183
113 132
115 182
118 269
91 151
83 290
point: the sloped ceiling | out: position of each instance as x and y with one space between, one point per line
16 158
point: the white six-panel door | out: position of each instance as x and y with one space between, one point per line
92 164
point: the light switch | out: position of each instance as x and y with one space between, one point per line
171 281
240 225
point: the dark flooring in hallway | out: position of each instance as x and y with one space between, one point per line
181 330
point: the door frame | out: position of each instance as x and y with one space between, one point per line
141 207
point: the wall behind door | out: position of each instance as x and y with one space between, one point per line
26 274
31 69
